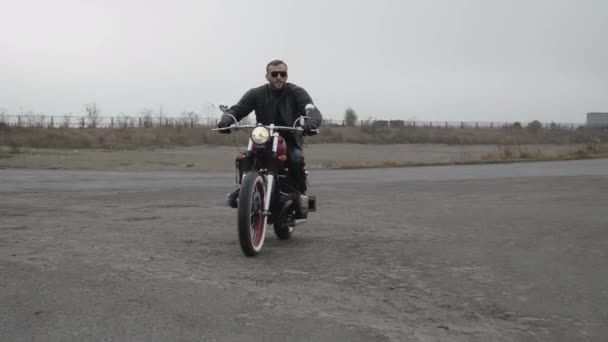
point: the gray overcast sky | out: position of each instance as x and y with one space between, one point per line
485 60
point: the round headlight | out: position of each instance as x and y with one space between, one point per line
260 135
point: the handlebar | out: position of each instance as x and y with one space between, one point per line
280 128
235 126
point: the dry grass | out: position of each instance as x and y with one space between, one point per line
507 153
512 144
112 138
457 136
511 152
134 138
325 156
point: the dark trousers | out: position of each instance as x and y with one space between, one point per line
296 165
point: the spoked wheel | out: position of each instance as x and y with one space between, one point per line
251 221
284 225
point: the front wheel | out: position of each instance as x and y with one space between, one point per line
251 220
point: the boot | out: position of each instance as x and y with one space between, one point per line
232 199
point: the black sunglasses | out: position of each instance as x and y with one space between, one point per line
277 73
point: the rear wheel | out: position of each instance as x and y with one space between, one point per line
251 221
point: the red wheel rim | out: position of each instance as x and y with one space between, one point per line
257 217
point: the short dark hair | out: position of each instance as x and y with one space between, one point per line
275 63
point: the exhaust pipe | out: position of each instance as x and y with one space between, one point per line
299 222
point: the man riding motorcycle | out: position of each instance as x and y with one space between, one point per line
281 103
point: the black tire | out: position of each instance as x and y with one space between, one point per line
251 223
283 226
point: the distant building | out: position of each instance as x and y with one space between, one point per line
597 120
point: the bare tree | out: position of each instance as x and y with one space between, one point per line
67 121
160 116
534 126
350 117
146 114
3 112
190 119
367 122
123 120
35 120
92 114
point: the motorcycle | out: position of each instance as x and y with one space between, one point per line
267 193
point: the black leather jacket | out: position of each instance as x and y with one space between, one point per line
291 103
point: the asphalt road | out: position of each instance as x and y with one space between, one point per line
515 252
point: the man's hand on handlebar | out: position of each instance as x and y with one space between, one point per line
224 123
310 128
